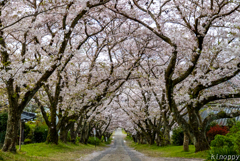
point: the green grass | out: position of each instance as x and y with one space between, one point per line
124 132
50 152
167 151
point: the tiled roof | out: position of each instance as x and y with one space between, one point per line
223 121
27 116
206 111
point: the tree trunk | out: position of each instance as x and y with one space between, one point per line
73 134
200 142
21 137
63 134
12 129
185 142
197 134
166 136
151 138
52 136
159 139
82 139
87 134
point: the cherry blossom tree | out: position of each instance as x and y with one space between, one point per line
181 56
89 77
31 50
200 50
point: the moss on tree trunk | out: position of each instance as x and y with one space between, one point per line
12 129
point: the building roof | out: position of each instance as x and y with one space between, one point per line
27 116
223 121
214 109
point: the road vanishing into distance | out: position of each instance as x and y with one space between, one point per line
121 152
118 151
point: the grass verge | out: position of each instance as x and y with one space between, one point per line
50 152
167 151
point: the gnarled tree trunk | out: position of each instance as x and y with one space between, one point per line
200 142
63 134
12 129
52 136
185 142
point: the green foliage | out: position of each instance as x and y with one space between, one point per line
234 135
40 133
109 140
177 136
228 144
1 158
77 139
221 141
28 131
221 151
2 136
27 141
3 126
234 129
231 122
91 140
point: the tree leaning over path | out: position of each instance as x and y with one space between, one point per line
25 67
89 78
200 50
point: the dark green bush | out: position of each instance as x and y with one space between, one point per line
40 133
3 126
28 131
91 140
2 136
177 136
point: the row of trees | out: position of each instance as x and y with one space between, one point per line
156 61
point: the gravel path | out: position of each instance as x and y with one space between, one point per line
120 152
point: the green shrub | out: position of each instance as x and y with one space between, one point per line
225 151
237 143
221 141
27 141
91 140
109 140
2 136
3 126
27 131
231 122
234 129
77 139
40 133
177 136
1 158
226 145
